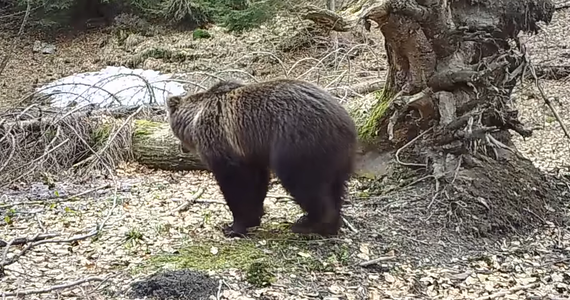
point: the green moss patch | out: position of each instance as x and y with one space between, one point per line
211 255
144 128
101 134
268 251
369 130
201 34
165 54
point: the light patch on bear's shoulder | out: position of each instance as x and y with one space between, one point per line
197 116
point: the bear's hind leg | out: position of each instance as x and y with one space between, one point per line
338 189
322 216
310 186
244 188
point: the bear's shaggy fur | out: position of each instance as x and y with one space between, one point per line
292 127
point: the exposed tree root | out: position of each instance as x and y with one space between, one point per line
446 106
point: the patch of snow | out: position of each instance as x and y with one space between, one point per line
112 86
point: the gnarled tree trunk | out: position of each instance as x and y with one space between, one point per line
446 105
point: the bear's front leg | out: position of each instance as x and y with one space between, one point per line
244 188
238 228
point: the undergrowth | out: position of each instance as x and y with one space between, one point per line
234 15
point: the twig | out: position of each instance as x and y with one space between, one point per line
375 261
110 138
407 145
29 246
37 216
509 291
23 240
82 140
102 282
350 226
12 151
547 101
219 293
562 6
359 88
52 288
45 241
33 163
418 180
536 215
4 255
190 201
209 201
279 196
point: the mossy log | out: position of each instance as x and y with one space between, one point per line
154 145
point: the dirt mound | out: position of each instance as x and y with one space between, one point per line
180 284
486 203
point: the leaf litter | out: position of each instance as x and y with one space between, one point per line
144 224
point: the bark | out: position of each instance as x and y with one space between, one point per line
446 105
453 65
154 145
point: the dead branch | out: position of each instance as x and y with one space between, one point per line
359 88
397 155
56 199
52 288
211 201
551 72
375 261
6 262
190 201
562 6
276 196
546 100
111 138
349 225
54 116
22 241
36 240
326 18
34 162
12 150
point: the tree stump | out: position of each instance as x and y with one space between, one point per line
446 106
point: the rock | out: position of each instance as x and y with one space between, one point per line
44 48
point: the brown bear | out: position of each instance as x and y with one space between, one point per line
291 127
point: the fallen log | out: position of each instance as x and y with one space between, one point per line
52 140
154 145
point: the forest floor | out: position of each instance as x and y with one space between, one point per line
380 257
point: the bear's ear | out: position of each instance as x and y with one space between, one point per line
173 102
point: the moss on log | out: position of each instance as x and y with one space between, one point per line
154 145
